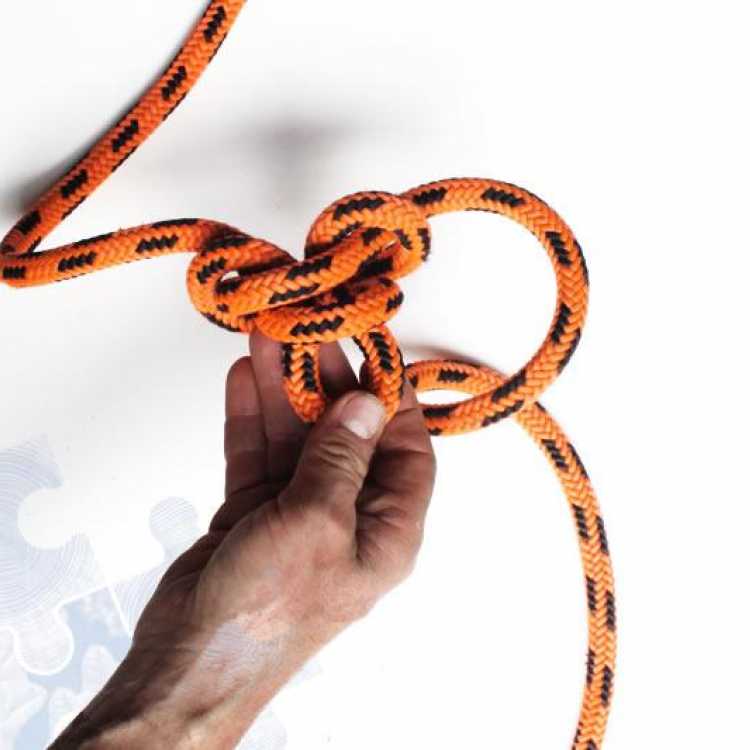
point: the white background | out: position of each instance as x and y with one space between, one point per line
631 120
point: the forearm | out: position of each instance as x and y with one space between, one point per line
184 697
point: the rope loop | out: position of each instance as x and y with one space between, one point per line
346 285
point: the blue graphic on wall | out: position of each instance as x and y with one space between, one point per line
63 627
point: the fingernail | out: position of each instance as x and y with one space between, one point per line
363 415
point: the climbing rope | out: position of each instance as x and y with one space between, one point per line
346 287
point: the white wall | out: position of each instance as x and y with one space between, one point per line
631 120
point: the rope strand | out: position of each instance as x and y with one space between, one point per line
346 286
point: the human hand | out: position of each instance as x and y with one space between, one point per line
316 526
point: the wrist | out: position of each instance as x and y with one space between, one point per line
197 692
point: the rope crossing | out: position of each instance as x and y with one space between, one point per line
346 286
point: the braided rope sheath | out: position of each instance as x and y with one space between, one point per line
346 286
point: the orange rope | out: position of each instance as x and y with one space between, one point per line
346 286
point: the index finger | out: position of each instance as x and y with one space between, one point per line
393 503
405 461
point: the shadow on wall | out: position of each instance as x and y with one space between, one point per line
17 198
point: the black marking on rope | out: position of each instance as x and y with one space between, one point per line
503 413
29 222
583 529
374 266
341 296
402 379
211 269
611 610
602 532
590 664
228 286
127 134
424 235
387 283
286 359
509 386
365 203
308 372
70 210
6 249
93 240
591 745
561 322
220 323
582 258
591 593
414 380
277 297
321 247
14 272
226 241
216 22
308 329
403 238
503 196
571 350
76 261
74 184
576 737
174 106
380 343
306 267
124 159
528 192
555 454
559 248
222 308
33 246
435 431
452 376
370 234
157 243
394 302
437 412
607 675
169 89
426 197
80 161
578 461
174 223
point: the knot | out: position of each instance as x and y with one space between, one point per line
346 287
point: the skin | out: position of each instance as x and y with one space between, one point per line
316 526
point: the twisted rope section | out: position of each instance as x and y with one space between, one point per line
346 286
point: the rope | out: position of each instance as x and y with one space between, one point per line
347 287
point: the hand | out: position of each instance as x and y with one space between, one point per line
316 526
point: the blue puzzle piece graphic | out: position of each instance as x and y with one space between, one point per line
65 703
174 524
20 699
35 583
102 620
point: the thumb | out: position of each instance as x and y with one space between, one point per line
337 453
